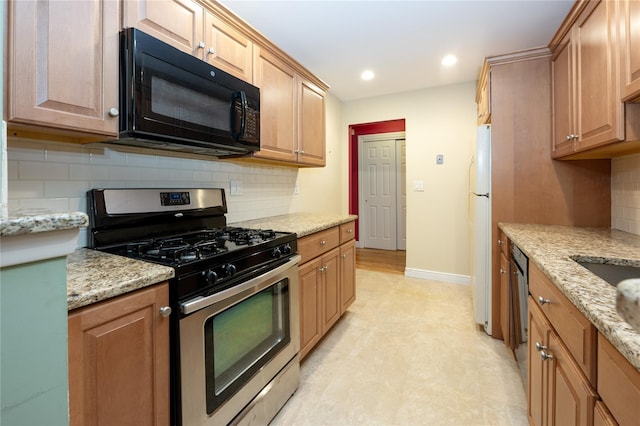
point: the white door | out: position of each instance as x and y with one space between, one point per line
379 194
401 173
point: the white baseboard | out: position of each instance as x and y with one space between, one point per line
437 276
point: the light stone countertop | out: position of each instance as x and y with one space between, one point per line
551 249
29 221
93 276
300 223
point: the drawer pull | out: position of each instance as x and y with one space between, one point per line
324 268
542 300
349 231
323 242
502 271
545 355
165 311
540 347
500 243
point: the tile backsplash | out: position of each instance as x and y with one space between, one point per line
57 176
625 193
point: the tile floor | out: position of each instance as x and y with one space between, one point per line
407 353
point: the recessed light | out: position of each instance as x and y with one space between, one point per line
449 60
367 75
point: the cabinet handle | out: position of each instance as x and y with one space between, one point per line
344 256
542 300
324 268
211 51
349 231
201 45
500 243
165 311
301 151
323 242
545 355
540 347
113 112
502 271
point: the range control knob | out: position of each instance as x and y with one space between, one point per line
229 270
210 276
276 253
286 249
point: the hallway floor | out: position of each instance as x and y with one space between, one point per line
407 353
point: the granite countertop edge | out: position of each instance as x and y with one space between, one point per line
94 276
30 221
552 248
301 223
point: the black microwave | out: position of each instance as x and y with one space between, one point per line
170 100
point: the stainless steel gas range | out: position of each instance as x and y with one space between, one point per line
235 320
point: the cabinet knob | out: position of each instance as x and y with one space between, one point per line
211 51
349 231
502 271
324 268
113 112
540 346
301 151
544 355
323 242
542 300
165 311
344 256
500 242
201 45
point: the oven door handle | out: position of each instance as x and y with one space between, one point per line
253 284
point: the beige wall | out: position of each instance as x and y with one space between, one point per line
324 189
438 121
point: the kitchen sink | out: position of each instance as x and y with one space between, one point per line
611 273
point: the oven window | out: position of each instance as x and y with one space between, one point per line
243 338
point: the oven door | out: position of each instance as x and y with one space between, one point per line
233 343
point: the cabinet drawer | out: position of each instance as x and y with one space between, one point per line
318 243
576 331
347 232
618 383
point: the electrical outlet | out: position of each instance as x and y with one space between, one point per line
235 187
418 185
439 159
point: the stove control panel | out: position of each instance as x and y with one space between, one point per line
178 198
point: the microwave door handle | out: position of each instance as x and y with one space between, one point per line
243 118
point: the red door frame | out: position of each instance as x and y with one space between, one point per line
356 130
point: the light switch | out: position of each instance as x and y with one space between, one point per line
418 185
439 159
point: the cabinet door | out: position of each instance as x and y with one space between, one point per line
602 416
276 81
119 361
505 300
311 136
630 48
227 48
347 275
330 276
600 111
539 330
310 296
176 22
571 398
562 99
63 66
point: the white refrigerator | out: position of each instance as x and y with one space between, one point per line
480 221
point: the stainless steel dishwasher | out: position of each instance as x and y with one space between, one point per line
520 270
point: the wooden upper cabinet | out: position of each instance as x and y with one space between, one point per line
563 122
629 26
62 66
483 95
588 110
311 136
277 83
179 23
227 48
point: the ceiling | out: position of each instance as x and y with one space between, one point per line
402 42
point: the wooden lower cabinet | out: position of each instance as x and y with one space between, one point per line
602 416
119 361
347 275
559 393
327 282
